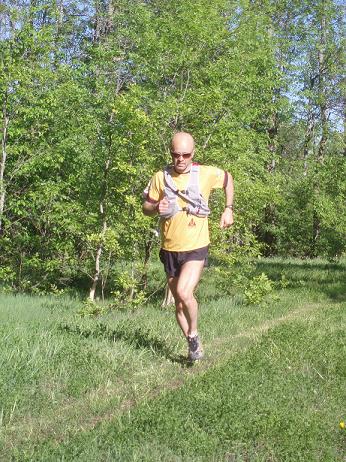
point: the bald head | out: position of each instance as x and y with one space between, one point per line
182 151
182 142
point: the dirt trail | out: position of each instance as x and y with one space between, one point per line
264 327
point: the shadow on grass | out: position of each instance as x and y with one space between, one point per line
326 278
338 294
139 337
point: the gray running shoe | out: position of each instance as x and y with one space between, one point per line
195 348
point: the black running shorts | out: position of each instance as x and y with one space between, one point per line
173 261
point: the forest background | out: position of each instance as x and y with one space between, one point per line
91 93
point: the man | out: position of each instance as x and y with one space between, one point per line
179 194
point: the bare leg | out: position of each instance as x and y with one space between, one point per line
182 288
180 316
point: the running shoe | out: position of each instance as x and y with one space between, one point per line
195 348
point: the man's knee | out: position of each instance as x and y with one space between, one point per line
185 295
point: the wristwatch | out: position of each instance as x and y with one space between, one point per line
229 207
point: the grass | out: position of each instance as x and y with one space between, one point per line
118 387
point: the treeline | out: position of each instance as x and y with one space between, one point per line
91 93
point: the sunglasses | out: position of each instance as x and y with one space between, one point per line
177 155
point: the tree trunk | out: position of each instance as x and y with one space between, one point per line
104 19
272 134
307 139
99 250
169 299
5 122
147 252
322 91
97 274
344 114
103 25
316 227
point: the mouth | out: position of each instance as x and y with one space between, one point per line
180 165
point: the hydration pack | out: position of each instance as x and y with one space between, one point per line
195 203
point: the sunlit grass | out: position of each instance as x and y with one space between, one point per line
61 375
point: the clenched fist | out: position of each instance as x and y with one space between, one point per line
162 206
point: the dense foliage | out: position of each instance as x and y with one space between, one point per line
91 93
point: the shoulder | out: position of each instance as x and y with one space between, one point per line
157 182
210 170
212 176
158 174
157 177
154 190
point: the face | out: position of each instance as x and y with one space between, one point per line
182 152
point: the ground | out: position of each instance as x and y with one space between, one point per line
117 387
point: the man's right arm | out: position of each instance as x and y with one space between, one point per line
152 208
151 196
154 200
149 208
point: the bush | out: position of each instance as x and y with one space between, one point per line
258 288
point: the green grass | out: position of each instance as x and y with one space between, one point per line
118 388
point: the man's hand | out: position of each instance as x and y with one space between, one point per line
226 219
162 206
150 209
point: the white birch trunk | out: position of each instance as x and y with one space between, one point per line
169 299
99 250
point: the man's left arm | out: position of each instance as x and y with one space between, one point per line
227 216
